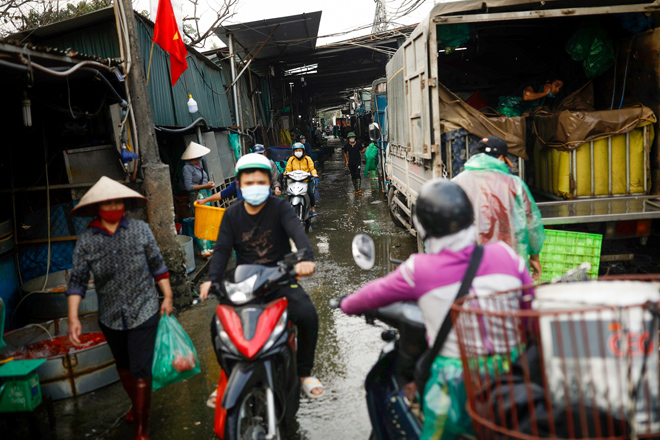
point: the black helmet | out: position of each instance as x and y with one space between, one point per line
443 208
258 148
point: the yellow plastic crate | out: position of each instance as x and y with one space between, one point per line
207 221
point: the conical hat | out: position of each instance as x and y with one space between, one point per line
102 191
194 151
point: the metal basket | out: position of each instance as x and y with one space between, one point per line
575 360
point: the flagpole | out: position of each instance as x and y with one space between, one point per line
151 54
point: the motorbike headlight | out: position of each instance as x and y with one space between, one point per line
222 340
240 293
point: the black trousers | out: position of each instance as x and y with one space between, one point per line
134 349
303 314
310 192
355 169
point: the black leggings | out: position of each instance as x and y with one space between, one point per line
303 314
355 170
134 349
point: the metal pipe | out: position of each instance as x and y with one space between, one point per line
646 157
609 165
467 147
574 173
593 169
232 64
450 147
628 163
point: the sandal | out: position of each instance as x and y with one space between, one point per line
212 399
310 384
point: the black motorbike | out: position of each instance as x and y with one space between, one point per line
255 343
393 411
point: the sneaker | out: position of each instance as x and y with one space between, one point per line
206 253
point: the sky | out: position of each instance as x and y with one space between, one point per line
337 16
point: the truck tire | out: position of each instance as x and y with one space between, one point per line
393 208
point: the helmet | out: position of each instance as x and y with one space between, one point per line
442 208
258 148
298 146
302 136
351 135
253 161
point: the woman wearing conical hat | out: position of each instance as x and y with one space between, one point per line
196 183
122 255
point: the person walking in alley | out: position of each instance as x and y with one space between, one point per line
353 159
504 207
300 161
196 183
122 256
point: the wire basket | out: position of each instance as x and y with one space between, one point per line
572 361
207 221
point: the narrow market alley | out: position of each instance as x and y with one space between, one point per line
347 346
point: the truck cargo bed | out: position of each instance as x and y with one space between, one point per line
599 210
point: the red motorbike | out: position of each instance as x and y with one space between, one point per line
255 343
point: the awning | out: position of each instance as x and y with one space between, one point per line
290 35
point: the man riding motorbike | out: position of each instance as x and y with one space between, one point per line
444 216
300 161
259 230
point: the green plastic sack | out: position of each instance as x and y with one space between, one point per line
370 155
592 46
235 144
175 357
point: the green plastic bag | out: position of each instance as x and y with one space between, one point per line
593 47
370 155
175 357
452 36
445 399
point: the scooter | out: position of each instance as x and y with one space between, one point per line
393 413
298 182
255 343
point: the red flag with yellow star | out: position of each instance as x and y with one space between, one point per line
167 36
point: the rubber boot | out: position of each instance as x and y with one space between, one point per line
142 406
127 382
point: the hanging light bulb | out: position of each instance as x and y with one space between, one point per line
27 110
192 105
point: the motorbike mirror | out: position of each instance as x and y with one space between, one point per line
374 131
364 251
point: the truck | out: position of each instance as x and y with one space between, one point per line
591 159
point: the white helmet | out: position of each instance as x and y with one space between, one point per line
252 161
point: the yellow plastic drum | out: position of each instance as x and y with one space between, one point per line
207 221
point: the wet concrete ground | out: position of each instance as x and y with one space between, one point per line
347 346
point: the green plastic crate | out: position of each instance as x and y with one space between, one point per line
563 251
19 386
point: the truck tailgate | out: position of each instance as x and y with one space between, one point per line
599 210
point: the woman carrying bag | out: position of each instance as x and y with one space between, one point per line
122 256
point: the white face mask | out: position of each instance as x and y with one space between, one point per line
351 140
298 154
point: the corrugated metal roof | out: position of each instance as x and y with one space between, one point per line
292 34
96 33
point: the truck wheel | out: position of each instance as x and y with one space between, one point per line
393 208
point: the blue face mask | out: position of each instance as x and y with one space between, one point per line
255 195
